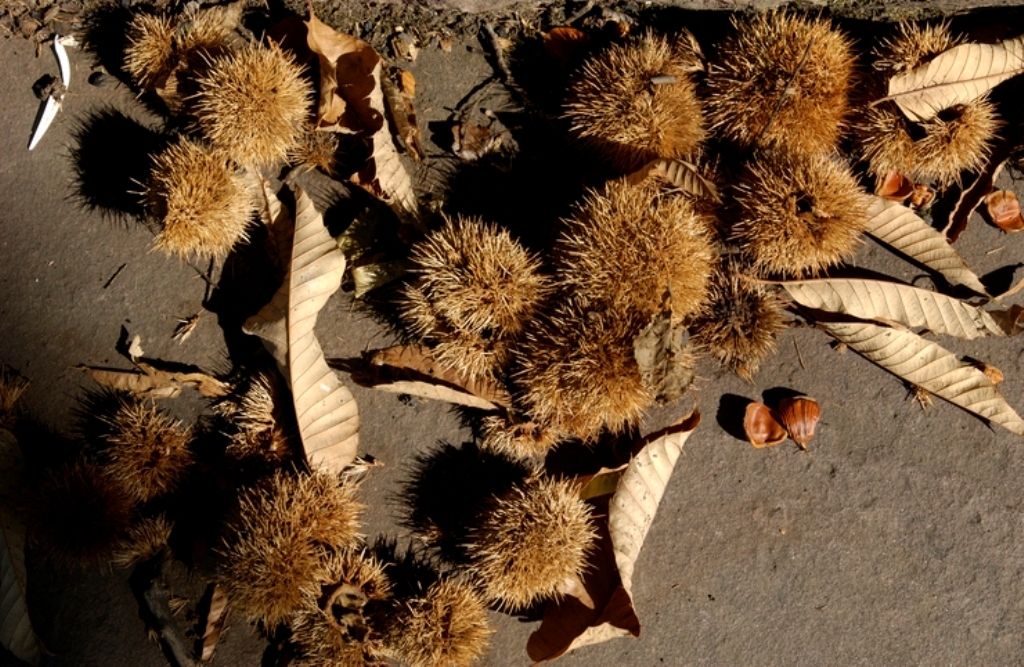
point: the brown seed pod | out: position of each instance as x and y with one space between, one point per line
798 215
958 139
742 322
762 427
252 104
637 102
627 246
446 626
578 372
316 150
782 81
200 200
1004 210
913 45
144 448
800 416
530 542
272 550
78 515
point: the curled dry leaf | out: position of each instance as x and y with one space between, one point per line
895 303
1004 211
894 186
326 410
666 363
216 615
369 277
154 382
399 95
412 369
607 612
16 632
762 426
352 101
679 174
974 194
958 76
922 362
901 229
800 414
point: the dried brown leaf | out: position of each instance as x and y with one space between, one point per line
154 382
327 413
974 194
16 634
679 174
399 96
922 362
214 623
662 353
412 369
899 227
958 76
894 303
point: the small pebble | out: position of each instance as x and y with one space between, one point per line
501 31
99 79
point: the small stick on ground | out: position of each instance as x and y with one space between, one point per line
147 584
499 54
799 357
580 13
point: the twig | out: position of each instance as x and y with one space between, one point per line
499 54
148 586
799 357
583 11
116 274
784 94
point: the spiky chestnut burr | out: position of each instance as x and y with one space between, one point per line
150 56
145 540
200 200
476 278
637 102
520 440
252 104
273 546
935 151
743 320
530 542
578 374
144 448
797 214
781 81
78 514
628 246
334 628
447 625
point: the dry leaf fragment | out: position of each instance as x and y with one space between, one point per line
399 96
800 414
412 369
326 410
900 228
404 46
16 633
958 76
154 382
678 173
662 353
186 326
924 363
368 277
215 618
762 426
1004 211
973 195
606 611
471 141
894 186
896 303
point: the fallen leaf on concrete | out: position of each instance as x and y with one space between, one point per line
326 410
665 361
411 369
213 626
957 76
154 382
399 96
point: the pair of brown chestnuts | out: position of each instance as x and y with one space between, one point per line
797 418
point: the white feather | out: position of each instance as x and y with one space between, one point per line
62 59
49 113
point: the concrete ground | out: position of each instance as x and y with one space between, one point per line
897 539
